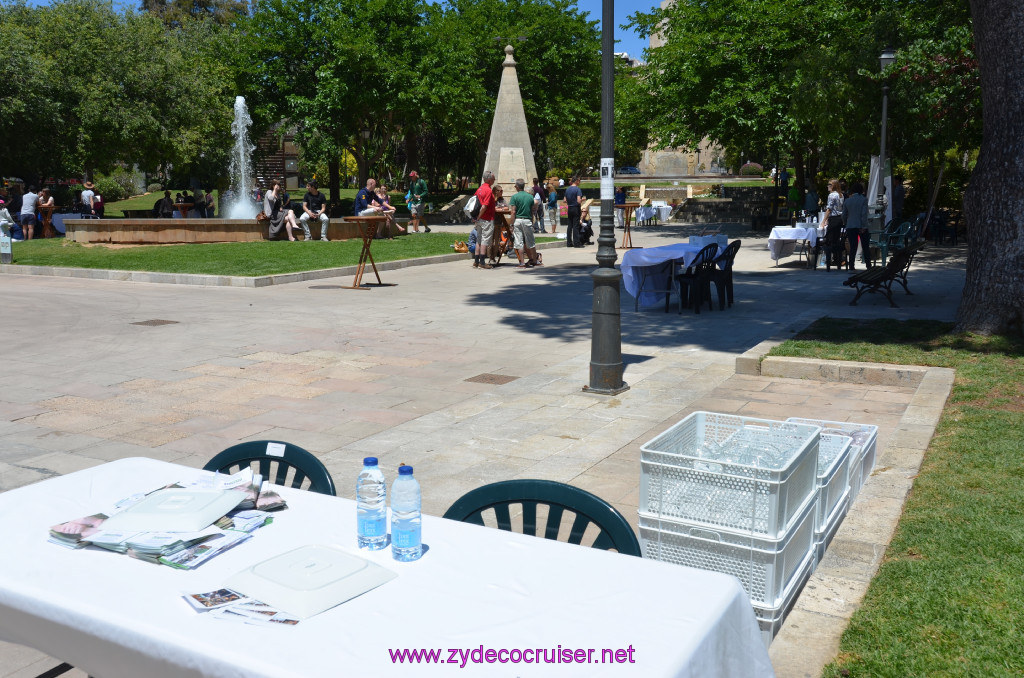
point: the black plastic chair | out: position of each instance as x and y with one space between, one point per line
276 468
615 532
695 284
721 275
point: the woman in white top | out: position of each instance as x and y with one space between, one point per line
834 226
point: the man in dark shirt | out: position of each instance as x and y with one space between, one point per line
314 206
574 200
366 200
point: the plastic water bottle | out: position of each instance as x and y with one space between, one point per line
406 540
371 506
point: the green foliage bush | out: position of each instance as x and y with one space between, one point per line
154 188
109 189
751 169
117 185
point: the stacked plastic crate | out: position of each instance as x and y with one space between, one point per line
735 495
836 495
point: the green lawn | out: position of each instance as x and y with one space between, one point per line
949 597
242 258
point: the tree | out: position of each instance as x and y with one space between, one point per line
94 89
993 298
334 69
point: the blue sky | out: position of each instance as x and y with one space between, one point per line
628 41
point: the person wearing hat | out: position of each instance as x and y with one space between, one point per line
88 196
417 192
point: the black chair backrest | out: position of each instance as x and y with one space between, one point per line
559 498
728 255
705 259
275 467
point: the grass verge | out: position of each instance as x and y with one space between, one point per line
239 258
948 599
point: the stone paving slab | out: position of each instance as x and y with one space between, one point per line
345 373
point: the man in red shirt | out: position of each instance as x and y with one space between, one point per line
484 221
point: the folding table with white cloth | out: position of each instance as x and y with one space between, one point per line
475 589
646 272
782 241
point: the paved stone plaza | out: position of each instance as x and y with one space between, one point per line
390 372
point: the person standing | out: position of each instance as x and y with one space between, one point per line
314 206
811 200
855 216
537 211
484 220
211 207
553 208
165 208
28 212
88 195
833 224
521 205
620 207
417 194
573 201
899 195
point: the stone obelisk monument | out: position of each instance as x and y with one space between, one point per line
509 153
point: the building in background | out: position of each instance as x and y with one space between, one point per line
708 158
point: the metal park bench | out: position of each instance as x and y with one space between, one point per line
881 278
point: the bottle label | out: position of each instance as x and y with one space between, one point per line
404 539
372 527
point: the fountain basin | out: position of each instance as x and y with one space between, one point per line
182 231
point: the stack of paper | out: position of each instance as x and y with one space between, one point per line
194 537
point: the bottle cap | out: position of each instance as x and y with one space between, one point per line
405 470
370 461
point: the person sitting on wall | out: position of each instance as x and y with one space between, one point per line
290 222
314 206
388 210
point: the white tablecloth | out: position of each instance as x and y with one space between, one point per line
782 241
650 267
659 212
114 616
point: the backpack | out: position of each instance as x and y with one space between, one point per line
97 203
472 208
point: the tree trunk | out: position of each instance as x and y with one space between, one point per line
799 176
412 159
993 297
334 182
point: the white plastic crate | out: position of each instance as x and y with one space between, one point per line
770 620
731 472
765 567
833 475
863 448
823 536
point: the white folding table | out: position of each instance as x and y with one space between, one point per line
782 241
475 588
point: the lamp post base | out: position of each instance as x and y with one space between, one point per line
607 391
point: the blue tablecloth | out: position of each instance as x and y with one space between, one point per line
650 267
